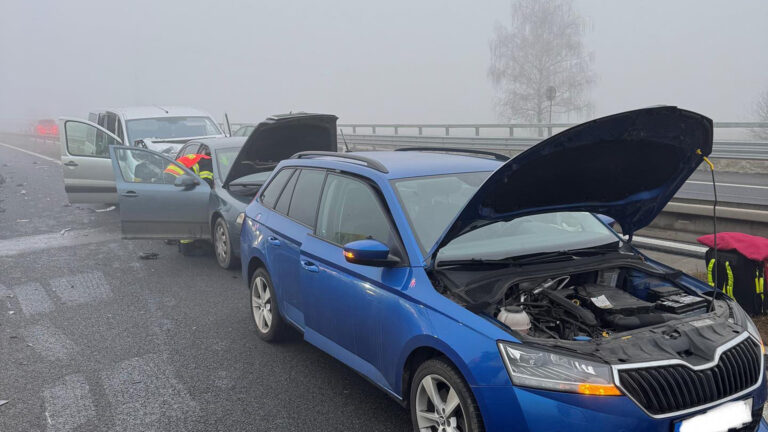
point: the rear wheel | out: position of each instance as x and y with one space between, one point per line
266 315
441 400
221 244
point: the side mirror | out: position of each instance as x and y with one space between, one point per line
186 181
369 252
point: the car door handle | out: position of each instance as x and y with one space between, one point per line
309 266
273 241
129 194
71 164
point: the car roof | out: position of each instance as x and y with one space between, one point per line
402 164
157 111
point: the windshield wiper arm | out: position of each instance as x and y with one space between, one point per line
564 255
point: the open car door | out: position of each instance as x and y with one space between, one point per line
88 176
159 198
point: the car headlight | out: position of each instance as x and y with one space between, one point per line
535 368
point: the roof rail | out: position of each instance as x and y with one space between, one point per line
497 156
370 163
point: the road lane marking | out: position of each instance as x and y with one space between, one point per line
81 288
21 245
145 395
49 342
32 298
68 404
31 153
728 184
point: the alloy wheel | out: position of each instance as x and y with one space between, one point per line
222 243
438 407
261 302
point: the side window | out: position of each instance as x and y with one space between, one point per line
269 196
144 167
86 140
349 211
306 196
285 198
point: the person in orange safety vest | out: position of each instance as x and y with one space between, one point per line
199 163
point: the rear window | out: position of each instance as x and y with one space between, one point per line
306 196
273 189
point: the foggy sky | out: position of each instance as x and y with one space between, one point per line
387 61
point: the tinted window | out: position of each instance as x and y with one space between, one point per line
273 189
306 195
285 197
349 211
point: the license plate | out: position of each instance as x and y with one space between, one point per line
726 416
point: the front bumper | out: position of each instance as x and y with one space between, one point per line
522 409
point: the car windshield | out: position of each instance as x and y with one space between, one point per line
170 127
432 202
225 157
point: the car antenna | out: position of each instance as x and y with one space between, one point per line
166 111
714 227
346 146
229 128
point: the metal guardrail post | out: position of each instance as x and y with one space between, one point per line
511 131
373 129
396 128
447 131
477 131
354 129
420 131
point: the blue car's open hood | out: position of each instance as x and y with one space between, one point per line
626 166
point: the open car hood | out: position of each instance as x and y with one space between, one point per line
626 166
280 137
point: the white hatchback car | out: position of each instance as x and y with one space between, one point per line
88 175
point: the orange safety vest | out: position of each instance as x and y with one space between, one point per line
188 161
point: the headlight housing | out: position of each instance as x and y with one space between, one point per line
752 329
528 367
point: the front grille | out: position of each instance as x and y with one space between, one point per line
668 389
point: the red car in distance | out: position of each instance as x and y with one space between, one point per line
47 128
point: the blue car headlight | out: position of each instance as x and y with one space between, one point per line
546 370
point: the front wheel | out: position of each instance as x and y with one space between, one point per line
441 400
221 244
266 315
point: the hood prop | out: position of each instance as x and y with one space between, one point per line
714 226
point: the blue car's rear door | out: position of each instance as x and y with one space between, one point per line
345 304
151 205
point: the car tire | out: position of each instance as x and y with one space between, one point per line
438 379
264 310
222 246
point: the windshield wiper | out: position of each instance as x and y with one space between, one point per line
544 257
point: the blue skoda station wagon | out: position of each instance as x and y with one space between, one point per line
484 294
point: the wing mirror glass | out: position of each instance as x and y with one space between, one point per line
186 181
369 252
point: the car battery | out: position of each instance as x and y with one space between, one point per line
681 303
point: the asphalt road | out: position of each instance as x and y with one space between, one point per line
92 338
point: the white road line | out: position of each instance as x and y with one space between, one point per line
145 395
68 404
81 288
32 298
49 342
728 184
31 153
22 245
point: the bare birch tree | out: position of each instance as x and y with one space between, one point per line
542 47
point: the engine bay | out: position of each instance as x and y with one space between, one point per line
574 306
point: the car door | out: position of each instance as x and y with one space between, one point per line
87 169
153 202
344 302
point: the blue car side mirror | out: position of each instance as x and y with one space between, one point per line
369 252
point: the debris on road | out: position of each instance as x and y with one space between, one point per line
3 402
22 220
110 208
149 255
23 192
62 232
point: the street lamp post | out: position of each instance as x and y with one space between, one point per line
551 93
